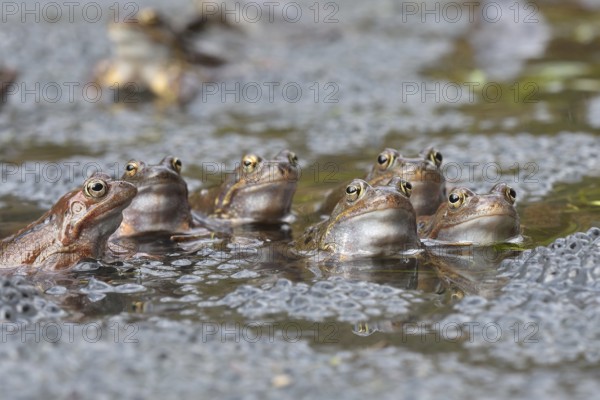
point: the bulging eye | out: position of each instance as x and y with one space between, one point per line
353 192
511 194
456 199
95 188
293 158
435 157
176 164
250 162
405 187
132 168
385 159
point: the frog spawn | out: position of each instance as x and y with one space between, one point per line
20 301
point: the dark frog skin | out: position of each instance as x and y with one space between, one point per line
260 191
423 172
468 217
161 204
75 228
368 221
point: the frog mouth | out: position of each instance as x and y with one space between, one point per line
487 219
483 229
377 231
272 194
110 208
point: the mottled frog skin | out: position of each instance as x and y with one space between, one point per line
76 227
368 221
161 204
149 55
468 217
423 172
260 191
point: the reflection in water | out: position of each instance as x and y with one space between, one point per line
468 270
400 272
458 271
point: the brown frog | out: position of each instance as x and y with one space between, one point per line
76 227
368 221
151 56
467 217
259 191
424 173
161 204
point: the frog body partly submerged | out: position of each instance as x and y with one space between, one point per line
75 228
468 217
161 204
368 221
423 172
260 191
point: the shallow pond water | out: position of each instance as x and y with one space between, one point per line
517 102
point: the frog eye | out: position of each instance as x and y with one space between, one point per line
95 188
405 187
250 162
293 158
435 157
456 199
385 159
353 192
511 194
132 168
176 164
329 247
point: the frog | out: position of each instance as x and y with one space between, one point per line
423 172
161 204
77 227
151 57
259 191
468 217
368 221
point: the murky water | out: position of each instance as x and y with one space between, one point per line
517 102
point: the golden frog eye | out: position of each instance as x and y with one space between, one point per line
250 162
95 188
329 247
456 199
353 192
132 168
293 158
511 194
435 157
385 159
176 164
405 187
